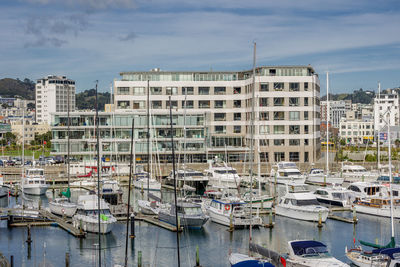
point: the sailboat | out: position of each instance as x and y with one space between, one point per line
63 206
382 255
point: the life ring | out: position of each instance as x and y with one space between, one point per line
227 207
62 210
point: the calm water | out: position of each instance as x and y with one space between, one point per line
158 246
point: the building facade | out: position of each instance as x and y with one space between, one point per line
356 131
31 129
337 110
382 116
51 96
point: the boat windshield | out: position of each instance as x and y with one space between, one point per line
341 196
226 171
289 165
193 211
305 202
188 174
319 251
94 212
34 172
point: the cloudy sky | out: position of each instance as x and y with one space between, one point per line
358 41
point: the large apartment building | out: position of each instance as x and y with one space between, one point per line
386 110
287 108
51 96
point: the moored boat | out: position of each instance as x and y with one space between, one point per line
286 172
190 215
317 176
34 182
336 196
61 206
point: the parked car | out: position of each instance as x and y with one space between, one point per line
59 159
10 163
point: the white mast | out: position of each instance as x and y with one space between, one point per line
327 124
23 135
378 126
390 175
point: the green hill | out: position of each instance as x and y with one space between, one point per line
87 99
16 88
358 96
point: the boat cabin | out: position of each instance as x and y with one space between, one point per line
308 248
228 207
34 172
367 189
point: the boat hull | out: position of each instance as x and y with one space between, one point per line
90 224
302 214
287 180
321 180
191 222
60 209
381 212
35 190
225 219
143 185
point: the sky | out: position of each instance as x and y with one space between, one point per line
357 41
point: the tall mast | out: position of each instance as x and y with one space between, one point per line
327 124
23 135
148 139
184 140
252 139
390 175
173 171
68 141
378 126
98 172
129 193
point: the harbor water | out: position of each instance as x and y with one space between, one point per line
158 246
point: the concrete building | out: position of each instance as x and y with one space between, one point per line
356 131
51 96
381 105
337 110
30 130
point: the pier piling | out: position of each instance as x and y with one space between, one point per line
354 215
197 257
29 239
319 219
12 260
231 228
132 235
139 262
66 259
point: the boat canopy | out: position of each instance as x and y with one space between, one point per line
308 247
391 252
252 263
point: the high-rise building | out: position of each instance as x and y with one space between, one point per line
386 110
337 110
51 96
287 108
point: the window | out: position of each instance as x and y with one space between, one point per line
220 129
204 104
306 101
278 86
174 104
264 142
219 90
306 157
294 142
237 90
156 90
123 90
237 116
139 104
237 129
279 115
264 129
294 156
279 101
294 87
172 90
306 129
263 102
279 142
279 129
305 115
156 104
305 86
138 90
264 116
293 101
272 72
219 104
279 156
204 90
123 104
237 103
219 116
187 91
188 103
264 87
294 129
294 115
306 142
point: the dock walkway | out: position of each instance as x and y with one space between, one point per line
62 223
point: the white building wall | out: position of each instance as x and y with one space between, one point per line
381 106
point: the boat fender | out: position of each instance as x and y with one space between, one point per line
227 207
62 210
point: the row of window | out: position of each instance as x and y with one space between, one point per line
266 129
343 133
217 90
280 156
357 126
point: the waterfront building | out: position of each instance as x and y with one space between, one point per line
387 100
31 129
337 110
356 131
51 96
287 115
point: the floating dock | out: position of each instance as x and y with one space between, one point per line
342 219
155 221
62 223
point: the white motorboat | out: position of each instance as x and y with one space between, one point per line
33 182
367 190
336 196
258 201
191 215
154 185
230 212
220 174
310 253
86 216
317 176
378 206
357 173
61 206
301 205
386 257
110 191
286 172
150 207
